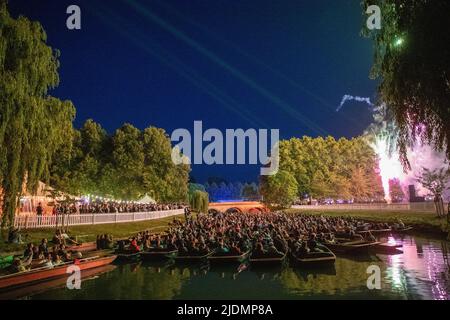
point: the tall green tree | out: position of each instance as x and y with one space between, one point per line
412 63
128 160
279 190
32 124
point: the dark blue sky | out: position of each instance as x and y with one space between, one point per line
232 64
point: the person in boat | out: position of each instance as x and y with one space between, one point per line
259 250
133 247
28 251
99 241
36 255
303 250
108 241
235 250
57 260
222 248
63 253
368 236
68 239
20 266
312 242
43 247
48 262
147 245
272 251
399 225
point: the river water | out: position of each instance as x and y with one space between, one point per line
421 272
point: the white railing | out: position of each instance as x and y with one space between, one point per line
45 221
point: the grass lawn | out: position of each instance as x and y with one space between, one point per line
421 221
89 232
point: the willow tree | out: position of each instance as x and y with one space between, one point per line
411 60
32 123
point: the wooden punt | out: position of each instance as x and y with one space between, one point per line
327 257
125 256
402 230
376 231
267 260
88 246
354 247
197 258
44 273
224 258
386 248
152 255
18 292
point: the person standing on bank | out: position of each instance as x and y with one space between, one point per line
187 213
39 212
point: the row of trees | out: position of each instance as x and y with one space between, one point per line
38 141
124 165
325 167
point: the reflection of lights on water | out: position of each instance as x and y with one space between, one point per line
434 264
395 272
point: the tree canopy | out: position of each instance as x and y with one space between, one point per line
33 125
279 190
326 167
125 165
412 62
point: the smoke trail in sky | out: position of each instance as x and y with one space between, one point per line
348 97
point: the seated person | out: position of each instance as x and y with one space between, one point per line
20 266
312 243
109 241
28 251
48 263
67 238
273 251
203 249
36 255
133 247
303 250
235 250
99 242
57 238
43 247
259 250
222 248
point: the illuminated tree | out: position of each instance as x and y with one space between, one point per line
436 181
279 190
33 125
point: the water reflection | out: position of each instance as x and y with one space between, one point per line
421 272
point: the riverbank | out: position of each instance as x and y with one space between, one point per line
86 233
423 222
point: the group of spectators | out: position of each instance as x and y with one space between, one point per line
112 207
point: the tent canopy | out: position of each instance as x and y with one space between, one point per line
146 199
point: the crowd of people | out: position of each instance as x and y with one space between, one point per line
44 255
112 207
267 235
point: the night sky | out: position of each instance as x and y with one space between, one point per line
232 64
